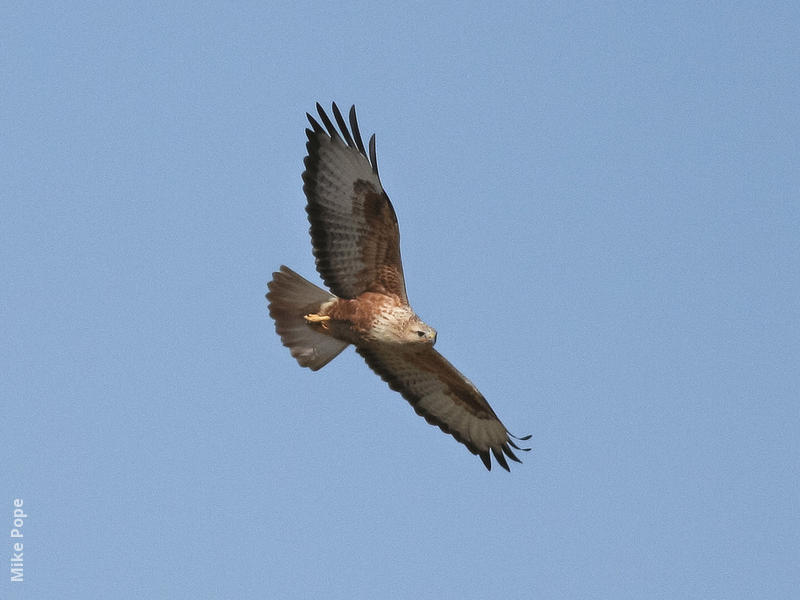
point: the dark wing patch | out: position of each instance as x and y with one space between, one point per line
445 398
354 230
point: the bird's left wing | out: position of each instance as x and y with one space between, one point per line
445 398
354 231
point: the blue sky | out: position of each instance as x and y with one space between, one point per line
600 214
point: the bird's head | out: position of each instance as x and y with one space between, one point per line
418 332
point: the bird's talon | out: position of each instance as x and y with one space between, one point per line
315 318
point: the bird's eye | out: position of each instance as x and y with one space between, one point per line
421 333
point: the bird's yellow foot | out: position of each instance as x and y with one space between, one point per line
315 318
319 320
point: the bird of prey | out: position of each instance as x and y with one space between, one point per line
356 242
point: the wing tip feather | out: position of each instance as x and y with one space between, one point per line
350 136
373 156
501 460
487 461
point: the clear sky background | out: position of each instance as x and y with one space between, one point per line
599 211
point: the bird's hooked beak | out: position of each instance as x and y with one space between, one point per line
432 335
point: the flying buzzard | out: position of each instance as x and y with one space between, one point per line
356 243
